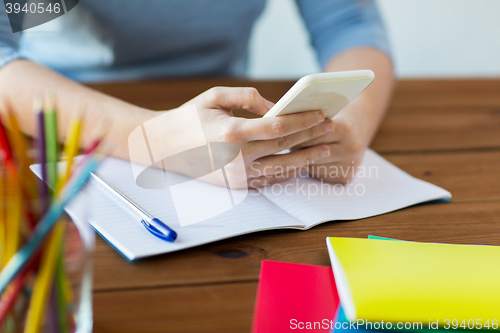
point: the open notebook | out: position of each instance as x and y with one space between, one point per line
301 204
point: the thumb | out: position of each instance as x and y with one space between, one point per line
229 98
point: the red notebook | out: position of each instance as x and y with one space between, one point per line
295 297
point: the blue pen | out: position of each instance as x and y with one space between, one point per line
152 224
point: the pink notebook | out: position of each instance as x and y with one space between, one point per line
295 297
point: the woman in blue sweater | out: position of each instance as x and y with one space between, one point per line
126 40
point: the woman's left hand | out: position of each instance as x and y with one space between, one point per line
348 142
356 125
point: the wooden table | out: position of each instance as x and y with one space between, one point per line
444 132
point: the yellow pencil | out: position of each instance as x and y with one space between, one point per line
20 149
71 146
13 219
44 280
23 175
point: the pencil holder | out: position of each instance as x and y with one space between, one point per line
64 303
45 256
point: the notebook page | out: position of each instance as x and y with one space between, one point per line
379 188
124 231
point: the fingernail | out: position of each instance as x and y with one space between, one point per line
325 153
321 117
303 171
329 127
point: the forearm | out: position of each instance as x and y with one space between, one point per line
368 109
22 81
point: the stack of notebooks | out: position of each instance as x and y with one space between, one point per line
383 284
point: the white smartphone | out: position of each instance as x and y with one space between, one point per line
328 92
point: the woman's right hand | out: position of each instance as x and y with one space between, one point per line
259 139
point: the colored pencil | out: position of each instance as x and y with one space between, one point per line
43 283
71 149
63 302
15 287
98 136
41 153
71 146
2 218
22 161
5 148
11 199
51 141
92 150
13 220
50 316
19 149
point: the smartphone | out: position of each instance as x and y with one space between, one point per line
328 92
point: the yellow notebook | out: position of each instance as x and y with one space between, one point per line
409 281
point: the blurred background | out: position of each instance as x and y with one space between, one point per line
429 38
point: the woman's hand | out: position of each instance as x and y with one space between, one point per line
347 142
259 139
356 125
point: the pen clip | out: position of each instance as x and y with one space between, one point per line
154 227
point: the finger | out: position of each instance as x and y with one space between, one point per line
270 180
327 138
336 173
261 148
229 98
341 152
333 136
277 127
283 163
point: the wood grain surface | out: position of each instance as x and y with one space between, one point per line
446 132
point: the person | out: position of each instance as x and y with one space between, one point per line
126 40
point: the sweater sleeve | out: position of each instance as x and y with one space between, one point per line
9 41
337 25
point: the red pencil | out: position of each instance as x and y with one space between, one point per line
5 147
15 287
